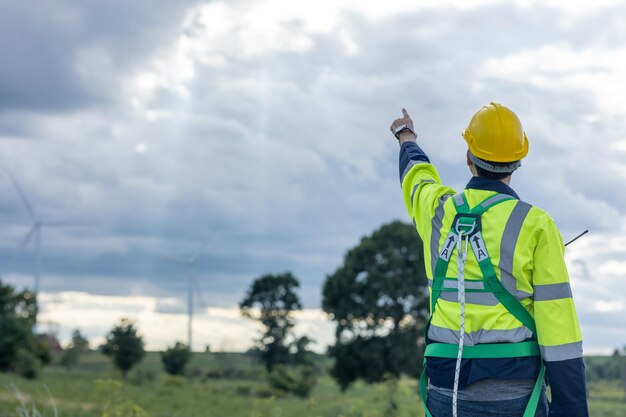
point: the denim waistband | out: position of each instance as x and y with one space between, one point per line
492 390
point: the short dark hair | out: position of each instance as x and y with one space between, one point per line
493 175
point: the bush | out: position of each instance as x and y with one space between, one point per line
298 383
117 405
195 372
214 374
27 364
174 381
233 373
42 351
69 358
142 376
243 390
267 392
175 359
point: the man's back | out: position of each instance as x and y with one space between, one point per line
526 251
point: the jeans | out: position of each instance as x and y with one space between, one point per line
441 406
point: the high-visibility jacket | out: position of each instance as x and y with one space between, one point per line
526 250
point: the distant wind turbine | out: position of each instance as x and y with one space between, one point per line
189 262
35 230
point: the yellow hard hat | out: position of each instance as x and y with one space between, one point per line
495 134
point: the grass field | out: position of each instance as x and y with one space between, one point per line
87 390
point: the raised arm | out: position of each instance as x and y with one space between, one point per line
424 195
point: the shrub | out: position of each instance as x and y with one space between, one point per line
69 358
299 383
195 372
174 381
117 405
243 390
175 359
142 376
214 374
42 351
27 364
267 392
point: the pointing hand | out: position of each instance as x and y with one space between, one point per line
404 122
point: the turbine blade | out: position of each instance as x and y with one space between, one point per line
28 236
204 244
172 258
19 190
67 223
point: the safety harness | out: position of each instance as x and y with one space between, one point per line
466 231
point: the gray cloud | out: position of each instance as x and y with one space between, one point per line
62 56
159 124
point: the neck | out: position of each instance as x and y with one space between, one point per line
506 180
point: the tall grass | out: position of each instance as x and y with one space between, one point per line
30 410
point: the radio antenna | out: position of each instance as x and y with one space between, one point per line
576 238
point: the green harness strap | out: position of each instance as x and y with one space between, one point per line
468 220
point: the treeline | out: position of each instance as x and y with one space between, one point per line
378 298
610 368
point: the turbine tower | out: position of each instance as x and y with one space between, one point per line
189 263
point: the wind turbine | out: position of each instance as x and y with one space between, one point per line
36 229
189 263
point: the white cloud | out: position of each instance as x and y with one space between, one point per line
220 328
598 70
225 329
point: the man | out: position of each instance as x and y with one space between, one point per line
496 270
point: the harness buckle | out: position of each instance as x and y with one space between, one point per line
466 224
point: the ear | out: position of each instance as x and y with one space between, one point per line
468 160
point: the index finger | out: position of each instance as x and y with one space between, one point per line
405 113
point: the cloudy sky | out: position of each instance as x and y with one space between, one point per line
261 128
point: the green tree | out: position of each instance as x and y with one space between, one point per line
19 348
622 368
79 342
175 359
124 346
301 355
276 301
71 355
379 299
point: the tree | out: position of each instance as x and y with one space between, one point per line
78 346
301 355
276 300
175 359
124 346
79 342
379 299
622 367
19 348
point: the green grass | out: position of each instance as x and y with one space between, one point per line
76 393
